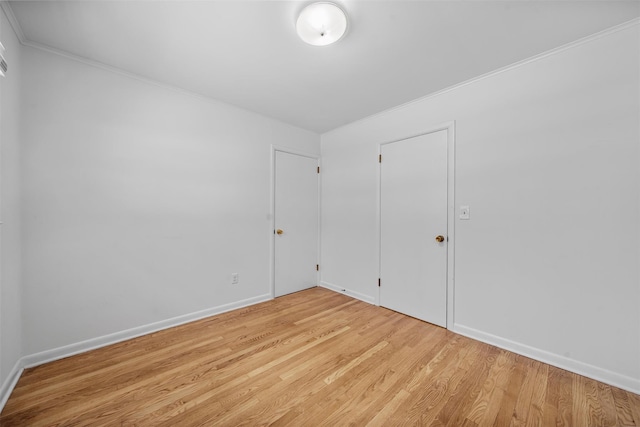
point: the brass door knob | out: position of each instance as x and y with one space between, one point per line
278 231
439 239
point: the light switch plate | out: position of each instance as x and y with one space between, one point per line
465 213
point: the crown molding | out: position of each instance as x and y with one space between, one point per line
6 7
13 21
584 40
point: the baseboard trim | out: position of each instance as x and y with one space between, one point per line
562 362
599 374
10 382
47 356
105 340
362 297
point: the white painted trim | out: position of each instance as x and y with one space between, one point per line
23 40
10 382
319 272
105 340
296 151
272 217
357 295
272 210
13 21
5 6
451 210
379 221
451 222
580 368
551 52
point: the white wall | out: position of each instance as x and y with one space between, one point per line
547 157
10 259
139 201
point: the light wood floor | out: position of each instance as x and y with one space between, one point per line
312 358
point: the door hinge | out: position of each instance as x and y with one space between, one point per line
378 282
317 267
379 158
318 169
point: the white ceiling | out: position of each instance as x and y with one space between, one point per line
247 53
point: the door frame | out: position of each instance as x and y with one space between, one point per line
272 212
450 128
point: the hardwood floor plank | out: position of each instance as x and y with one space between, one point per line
348 401
342 390
317 358
286 357
523 404
634 404
194 397
355 362
485 408
624 414
121 372
431 388
512 391
325 313
535 416
402 366
390 409
587 408
608 405
462 398
311 386
565 400
550 408
580 407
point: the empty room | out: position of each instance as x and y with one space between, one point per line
310 213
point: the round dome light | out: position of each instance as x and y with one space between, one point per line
322 23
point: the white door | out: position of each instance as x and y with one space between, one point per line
296 223
413 214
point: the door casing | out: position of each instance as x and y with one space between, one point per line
449 127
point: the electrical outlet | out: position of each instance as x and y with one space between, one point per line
234 278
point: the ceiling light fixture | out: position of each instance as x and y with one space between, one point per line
321 23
